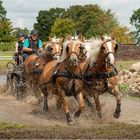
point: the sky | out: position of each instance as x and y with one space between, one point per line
23 13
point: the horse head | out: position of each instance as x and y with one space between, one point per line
74 49
108 49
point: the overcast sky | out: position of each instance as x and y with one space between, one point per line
23 12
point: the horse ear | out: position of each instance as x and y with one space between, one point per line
61 40
113 38
67 49
68 37
80 37
50 39
116 47
102 38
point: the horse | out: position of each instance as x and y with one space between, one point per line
62 78
34 63
100 73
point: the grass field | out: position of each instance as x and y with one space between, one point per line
7 53
125 65
121 65
3 65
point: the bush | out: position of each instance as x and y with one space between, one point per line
123 87
10 46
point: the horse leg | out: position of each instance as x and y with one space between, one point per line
45 93
80 99
58 103
66 108
115 91
88 101
45 107
98 105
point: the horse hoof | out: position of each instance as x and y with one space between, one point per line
77 114
116 115
71 122
46 109
99 115
58 106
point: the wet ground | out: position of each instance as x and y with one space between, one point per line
2 79
52 124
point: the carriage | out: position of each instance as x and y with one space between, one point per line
71 75
16 77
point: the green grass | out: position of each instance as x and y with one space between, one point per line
104 131
5 126
125 65
3 64
7 53
123 88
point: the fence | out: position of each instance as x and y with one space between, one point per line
128 52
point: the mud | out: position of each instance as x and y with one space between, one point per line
53 121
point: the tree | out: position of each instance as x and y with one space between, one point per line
17 30
62 27
122 34
5 26
5 30
91 20
135 20
2 11
46 19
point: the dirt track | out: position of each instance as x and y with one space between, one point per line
20 112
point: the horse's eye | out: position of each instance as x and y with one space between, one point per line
116 47
67 49
51 48
103 48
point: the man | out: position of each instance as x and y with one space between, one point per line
31 44
19 46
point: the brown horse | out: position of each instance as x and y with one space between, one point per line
100 73
34 63
63 78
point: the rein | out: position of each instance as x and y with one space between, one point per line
66 73
101 75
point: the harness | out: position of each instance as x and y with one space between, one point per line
34 44
20 46
101 75
66 73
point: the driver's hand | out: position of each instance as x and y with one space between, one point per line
31 49
16 53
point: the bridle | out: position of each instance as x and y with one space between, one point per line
106 55
80 52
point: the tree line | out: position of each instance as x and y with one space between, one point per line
91 20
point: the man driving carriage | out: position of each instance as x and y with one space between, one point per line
19 47
32 44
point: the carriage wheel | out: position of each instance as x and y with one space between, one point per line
14 85
18 90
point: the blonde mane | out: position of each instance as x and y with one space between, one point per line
64 52
93 46
66 42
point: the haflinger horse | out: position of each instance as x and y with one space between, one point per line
35 63
100 74
64 78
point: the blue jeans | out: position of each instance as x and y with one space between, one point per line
25 55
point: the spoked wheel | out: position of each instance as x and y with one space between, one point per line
14 85
18 89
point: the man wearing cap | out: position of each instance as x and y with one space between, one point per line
32 44
19 46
